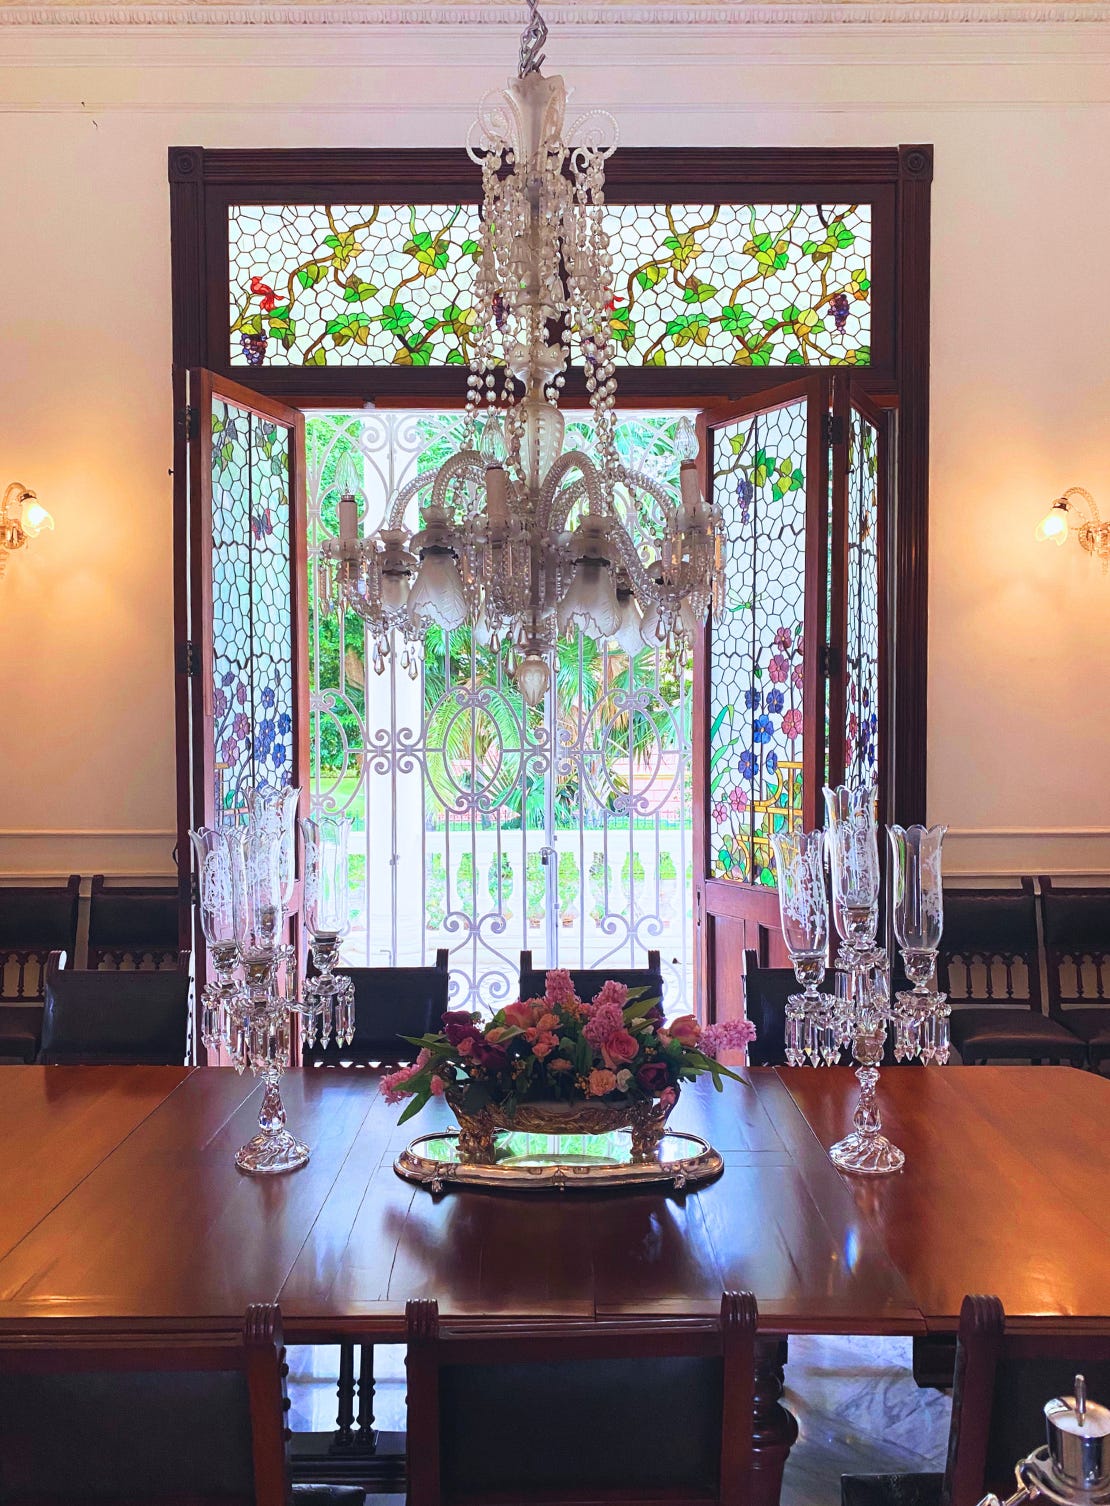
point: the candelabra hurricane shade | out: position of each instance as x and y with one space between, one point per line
328 998
863 1003
804 907
247 879
922 1015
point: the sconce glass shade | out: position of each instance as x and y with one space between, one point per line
264 889
35 519
852 846
1053 527
591 602
918 886
276 808
630 636
327 906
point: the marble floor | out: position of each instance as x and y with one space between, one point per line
857 1406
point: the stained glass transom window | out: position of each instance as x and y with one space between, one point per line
693 284
252 637
756 644
862 662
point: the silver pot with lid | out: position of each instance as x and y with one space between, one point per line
1073 1468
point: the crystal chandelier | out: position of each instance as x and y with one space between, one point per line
520 538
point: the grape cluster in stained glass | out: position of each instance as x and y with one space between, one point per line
693 284
252 637
861 731
756 641
349 285
742 284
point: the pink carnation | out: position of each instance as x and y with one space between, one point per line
612 992
726 1035
437 1086
559 988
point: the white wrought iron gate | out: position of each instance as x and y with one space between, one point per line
480 824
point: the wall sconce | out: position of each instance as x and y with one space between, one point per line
22 517
1092 532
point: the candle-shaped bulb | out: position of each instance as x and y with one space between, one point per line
348 519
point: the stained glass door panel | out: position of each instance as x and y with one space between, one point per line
247 609
760 720
862 705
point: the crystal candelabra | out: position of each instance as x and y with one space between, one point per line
820 1027
247 877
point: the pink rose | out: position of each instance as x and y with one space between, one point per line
520 1016
685 1030
653 1077
545 1045
601 1082
619 1048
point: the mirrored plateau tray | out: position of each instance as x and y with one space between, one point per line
558 1163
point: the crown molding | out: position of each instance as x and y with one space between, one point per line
748 12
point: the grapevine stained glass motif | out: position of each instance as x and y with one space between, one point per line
756 670
693 284
252 641
862 695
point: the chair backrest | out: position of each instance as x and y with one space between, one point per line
1001 1383
766 990
618 1410
151 1416
1077 945
33 923
989 952
588 981
390 1003
133 928
113 1018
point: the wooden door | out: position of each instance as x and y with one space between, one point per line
242 604
759 745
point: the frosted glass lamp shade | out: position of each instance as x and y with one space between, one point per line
1053 527
437 593
629 634
221 882
35 519
532 676
591 601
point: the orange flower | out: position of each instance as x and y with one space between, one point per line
601 1082
685 1030
559 1064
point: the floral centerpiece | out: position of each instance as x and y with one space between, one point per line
559 1066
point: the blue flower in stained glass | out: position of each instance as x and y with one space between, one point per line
268 696
277 756
772 763
762 729
747 765
284 723
775 701
752 699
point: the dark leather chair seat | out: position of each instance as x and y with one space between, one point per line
114 1019
891 1490
998 1033
19 1033
328 1495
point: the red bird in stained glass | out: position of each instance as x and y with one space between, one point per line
267 296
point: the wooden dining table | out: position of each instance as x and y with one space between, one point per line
120 1202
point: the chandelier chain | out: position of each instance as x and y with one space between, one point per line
532 40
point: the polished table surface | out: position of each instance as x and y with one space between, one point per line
119 1199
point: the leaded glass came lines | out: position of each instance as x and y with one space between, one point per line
252 641
742 285
351 285
756 645
862 693
694 284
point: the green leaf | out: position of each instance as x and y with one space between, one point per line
418 1102
317 358
309 276
358 291
252 325
795 358
735 319
455 358
395 317
657 358
648 276
471 248
698 292
347 324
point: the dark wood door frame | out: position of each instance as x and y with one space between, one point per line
897 183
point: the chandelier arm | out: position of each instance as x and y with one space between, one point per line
1080 491
571 460
644 588
466 465
405 496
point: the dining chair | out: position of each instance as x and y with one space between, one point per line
1000 1385
149 1414
134 928
989 966
114 1018
390 1004
766 990
1077 953
628 1410
588 981
34 921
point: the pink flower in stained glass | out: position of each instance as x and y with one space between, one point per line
720 811
792 724
241 694
219 703
798 676
241 726
784 639
738 799
853 724
779 668
230 750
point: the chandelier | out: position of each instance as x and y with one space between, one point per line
520 538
